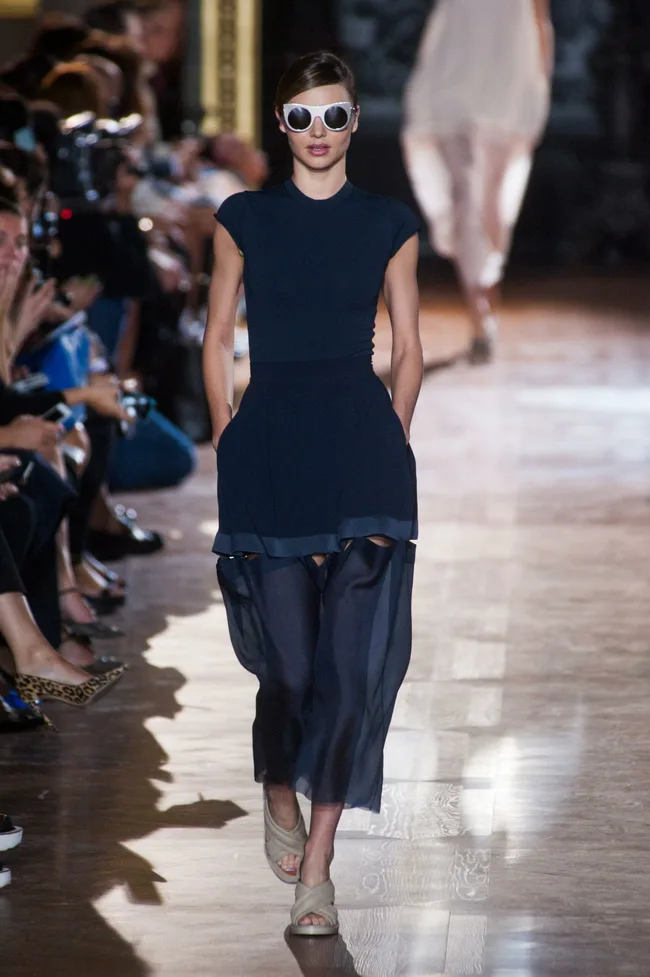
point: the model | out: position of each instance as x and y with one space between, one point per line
316 478
476 105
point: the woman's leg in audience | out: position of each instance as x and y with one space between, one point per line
29 651
73 604
36 535
89 577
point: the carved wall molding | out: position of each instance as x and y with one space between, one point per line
230 54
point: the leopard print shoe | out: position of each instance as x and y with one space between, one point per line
31 688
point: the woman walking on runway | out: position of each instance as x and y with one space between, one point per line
476 105
317 496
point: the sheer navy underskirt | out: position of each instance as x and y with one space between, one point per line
330 646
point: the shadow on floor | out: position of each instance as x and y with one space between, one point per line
321 956
84 794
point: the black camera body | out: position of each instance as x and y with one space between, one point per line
71 161
138 407
86 156
111 150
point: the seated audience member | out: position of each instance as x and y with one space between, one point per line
29 613
74 88
21 413
119 17
56 40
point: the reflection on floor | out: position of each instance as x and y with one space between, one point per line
513 838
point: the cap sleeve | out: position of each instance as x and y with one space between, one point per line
404 225
231 215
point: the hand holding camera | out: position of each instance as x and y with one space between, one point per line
81 292
106 399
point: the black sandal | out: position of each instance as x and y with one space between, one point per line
101 664
115 579
83 630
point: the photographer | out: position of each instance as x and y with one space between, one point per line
159 455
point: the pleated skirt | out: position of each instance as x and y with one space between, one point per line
314 456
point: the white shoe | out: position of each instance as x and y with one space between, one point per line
10 834
5 876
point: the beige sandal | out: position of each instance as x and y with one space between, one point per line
278 843
318 901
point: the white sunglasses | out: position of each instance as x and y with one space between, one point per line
335 117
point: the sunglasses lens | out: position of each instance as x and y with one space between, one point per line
337 117
299 119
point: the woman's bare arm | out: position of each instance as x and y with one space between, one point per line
218 355
402 300
546 37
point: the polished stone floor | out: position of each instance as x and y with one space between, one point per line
514 837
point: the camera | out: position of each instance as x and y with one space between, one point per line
71 161
85 156
138 407
110 151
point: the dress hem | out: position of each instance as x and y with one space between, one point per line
233 544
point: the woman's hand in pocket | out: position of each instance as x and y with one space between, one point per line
218 428
405 430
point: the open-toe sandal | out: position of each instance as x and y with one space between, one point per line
278 843
318 901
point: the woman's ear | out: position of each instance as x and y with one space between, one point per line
355 125
281 124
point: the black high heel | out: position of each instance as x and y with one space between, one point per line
131 541
17 716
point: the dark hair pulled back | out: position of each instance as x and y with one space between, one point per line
315 71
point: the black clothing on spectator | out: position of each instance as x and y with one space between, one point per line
101 431
10 579
14 404
110 246
29 522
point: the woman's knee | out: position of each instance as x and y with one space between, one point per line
384 541
288 690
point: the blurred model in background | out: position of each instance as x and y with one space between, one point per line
476 106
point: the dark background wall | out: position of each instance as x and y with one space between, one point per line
591 98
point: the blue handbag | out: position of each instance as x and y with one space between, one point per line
64 358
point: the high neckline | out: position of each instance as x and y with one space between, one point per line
345 191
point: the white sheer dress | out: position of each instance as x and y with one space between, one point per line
476 105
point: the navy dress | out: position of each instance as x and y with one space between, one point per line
314 462
316 454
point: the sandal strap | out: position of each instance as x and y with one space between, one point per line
318 901
278 841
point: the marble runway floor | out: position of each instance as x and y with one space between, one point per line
513 840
